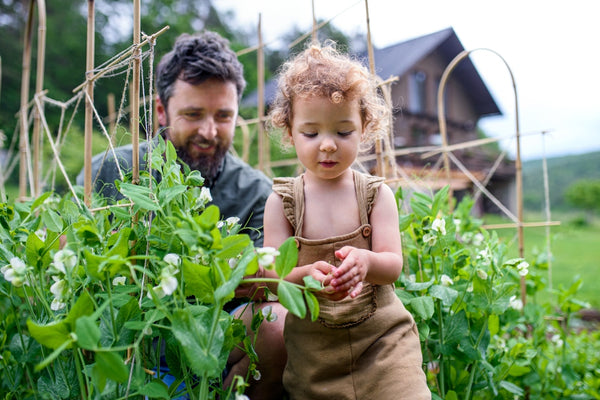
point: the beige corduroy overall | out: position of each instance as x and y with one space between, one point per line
361 348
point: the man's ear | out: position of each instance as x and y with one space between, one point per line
161 112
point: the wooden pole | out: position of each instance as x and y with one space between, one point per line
89 74
39 85
379 170
135 89
25 74
315 29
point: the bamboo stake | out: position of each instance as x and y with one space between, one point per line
379 155
135 89
24 134
89 66
314 23
547 207
39 85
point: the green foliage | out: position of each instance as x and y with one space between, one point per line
88 297
584 194
562 173
478 339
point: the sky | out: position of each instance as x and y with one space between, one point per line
551 47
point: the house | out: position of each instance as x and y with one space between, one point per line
418 65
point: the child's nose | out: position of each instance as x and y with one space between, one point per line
328 144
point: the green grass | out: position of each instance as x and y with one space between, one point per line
575 252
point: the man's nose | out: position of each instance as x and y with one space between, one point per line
208 128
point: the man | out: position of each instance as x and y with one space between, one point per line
199 85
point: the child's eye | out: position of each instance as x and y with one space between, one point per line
310 134
345 133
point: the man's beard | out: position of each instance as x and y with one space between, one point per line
209 166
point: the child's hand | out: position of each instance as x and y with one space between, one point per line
349 276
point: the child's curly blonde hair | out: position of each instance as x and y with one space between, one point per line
322 71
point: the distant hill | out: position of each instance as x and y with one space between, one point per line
562 172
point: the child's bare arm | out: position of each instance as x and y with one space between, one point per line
383 264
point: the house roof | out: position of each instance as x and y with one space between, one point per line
398 59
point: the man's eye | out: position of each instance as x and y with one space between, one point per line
192 115
225 116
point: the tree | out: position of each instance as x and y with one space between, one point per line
584 194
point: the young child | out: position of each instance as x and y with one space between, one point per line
364 344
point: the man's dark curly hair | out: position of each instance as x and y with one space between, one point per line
195 59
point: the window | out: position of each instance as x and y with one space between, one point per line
417 103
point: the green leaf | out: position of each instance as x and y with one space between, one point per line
110 365
313 305
288 257
197 281
312 283
33 248
418 286
192 332
209 218
446 294
88 333
440 197
291 298
423 306
167 195
451 395
155 390
52 220
404 221
518 370
420 209
233 246
512 388
141 196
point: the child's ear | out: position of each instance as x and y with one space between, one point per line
289 132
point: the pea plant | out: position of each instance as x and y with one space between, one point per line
103 303
479 340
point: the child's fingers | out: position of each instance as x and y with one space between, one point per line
356 290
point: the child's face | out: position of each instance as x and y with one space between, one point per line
326 135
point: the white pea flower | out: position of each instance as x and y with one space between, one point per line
16 272
429 239
172 259
41 234
233 262
229 223
557 340
439 225
433 367
57 304
523 268
59 288
167 282
515 303
482 274
239 396
478 239
64 260
119 281
470 288
268 313
204 198
457 223
412 278
266 256
446 280
256 375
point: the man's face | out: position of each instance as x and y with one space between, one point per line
200 122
